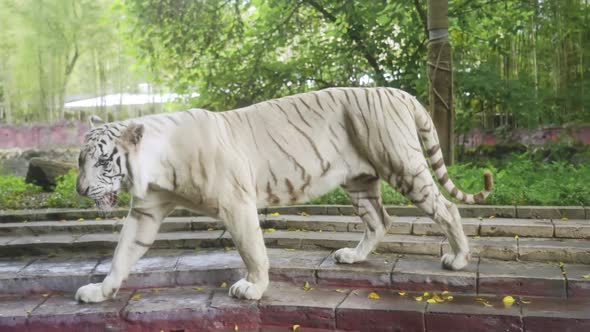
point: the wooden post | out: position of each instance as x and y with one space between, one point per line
440 76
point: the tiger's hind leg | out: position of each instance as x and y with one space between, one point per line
365 194
419 187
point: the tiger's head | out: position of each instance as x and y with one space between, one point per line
104 165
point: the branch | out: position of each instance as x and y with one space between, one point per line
355 37
422 15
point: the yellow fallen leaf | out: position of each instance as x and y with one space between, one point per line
228 248
508 300
449 298
437 298
81 219
564 219
516 237
307 287
561 264
210 229
45 295
270 230
492 216
374 296
418 298
296 327
341 290
274 214
155 290
289 249
483 301
476 237
426 294
525 301
199 289
445 292
402 293
136 297
223 285
63 220
303 214
98 219
430 301
587 276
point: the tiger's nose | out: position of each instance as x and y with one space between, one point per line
81 189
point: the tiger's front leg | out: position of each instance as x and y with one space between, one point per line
241 220
138 234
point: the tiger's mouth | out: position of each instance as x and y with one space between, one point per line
107 201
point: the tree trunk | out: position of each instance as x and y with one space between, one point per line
440 76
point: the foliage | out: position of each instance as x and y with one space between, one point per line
65 194
517 181
517 63
14 190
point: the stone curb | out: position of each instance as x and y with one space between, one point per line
503 248
494 227
467 211
214 267
283 307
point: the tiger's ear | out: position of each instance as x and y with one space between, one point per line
95 121
131 136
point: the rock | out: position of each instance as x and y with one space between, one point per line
44 172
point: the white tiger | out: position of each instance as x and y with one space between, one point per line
281 151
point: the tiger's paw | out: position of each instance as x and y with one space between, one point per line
91 293
244 289
454 262
347 256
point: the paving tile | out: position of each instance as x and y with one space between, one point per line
425 273
557 315
35 245
485 211
463 313
54 274
62 313
205 223
538 212
425 226
149 271
520 227
490 247
14 311
295 266
572 212
520 278
400 225
98 240
404 211
187 240
340 210
312 223
576 229
176 224
227 312
577 285
209 267
168 309
311 240
374 272
286 305
557 250
389 313
407 244
295 209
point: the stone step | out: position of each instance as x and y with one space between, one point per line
212 267
286 307
467 211
504 248
491 227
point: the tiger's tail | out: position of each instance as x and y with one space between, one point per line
429 136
